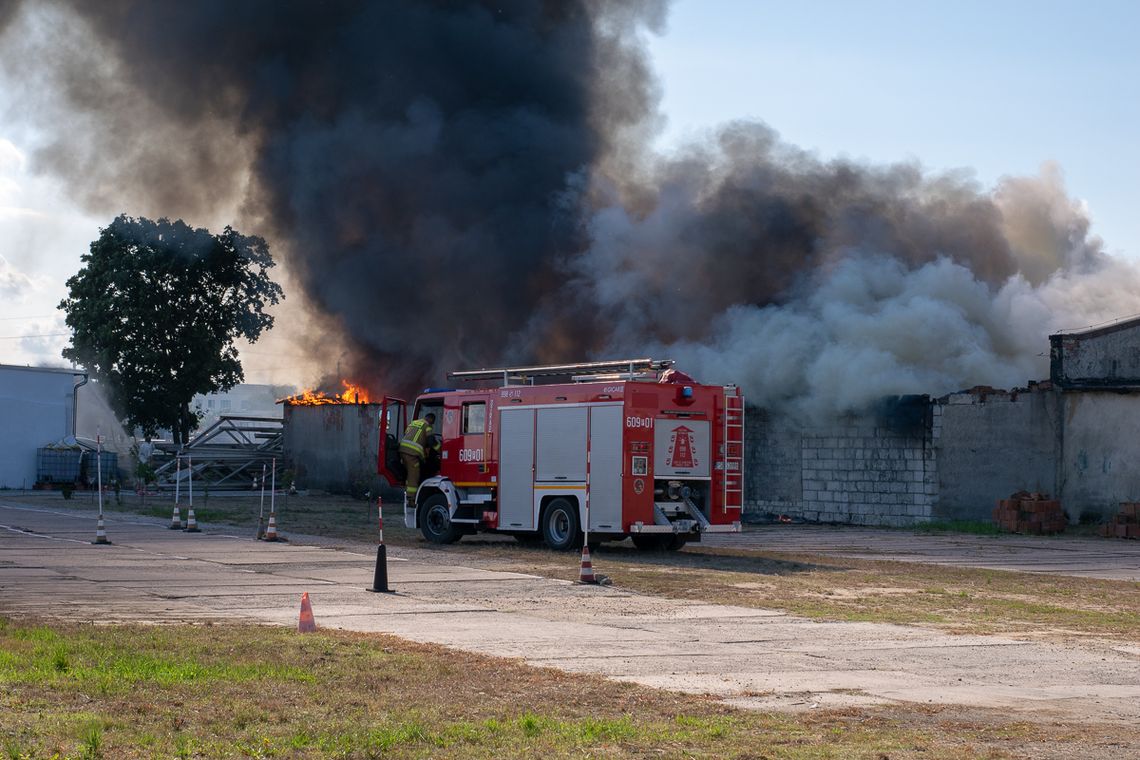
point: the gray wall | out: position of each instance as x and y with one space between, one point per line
772 464
332 446
855 471
868 475
991 445
1101 457
1109 357
36 408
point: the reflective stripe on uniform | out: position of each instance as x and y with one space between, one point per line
410 447
413 442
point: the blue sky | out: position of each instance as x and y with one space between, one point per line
996 87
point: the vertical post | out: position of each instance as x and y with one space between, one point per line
380 576
273 488
176 517
99 470
190 478
100 529
261 512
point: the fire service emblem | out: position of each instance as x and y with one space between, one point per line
681 449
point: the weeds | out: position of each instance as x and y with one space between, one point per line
92 745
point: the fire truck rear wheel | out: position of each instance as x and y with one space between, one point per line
435 521
560 527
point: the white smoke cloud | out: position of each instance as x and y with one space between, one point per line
872 328
863 323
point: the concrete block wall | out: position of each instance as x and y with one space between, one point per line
773 465
852 472
991 444
867 475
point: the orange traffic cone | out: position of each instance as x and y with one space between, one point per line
586 573
307 624
271 531
176 519
191 522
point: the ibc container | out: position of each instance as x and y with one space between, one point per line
58 465
110 462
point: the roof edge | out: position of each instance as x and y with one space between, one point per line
55 370
1094 331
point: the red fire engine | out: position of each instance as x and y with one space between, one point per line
627 448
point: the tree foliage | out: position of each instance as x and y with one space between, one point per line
156 309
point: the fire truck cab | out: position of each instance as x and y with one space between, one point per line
566 453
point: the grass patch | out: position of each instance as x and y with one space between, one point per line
203 692
973 527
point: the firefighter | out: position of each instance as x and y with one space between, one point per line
413 451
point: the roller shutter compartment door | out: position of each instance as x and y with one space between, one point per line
516 469
561 446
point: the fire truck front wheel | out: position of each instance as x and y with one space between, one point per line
560 527
435 521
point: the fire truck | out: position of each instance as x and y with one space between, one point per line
575 452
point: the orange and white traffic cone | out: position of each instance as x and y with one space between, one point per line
100 533
586 573
176 520
271 531
191 521
307 624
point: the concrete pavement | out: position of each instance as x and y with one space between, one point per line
1110 559
747 657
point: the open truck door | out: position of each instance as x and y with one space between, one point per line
393 422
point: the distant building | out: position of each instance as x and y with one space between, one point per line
37 408
246 399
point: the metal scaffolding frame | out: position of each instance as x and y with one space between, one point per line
228 454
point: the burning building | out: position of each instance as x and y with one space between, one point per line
331 440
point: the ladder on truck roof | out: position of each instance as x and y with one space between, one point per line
622 369
732 479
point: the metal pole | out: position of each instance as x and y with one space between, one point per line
380 576
273 488
190 478
99 470
100 530
177 479
261 512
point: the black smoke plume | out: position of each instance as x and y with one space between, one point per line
459 184
420 162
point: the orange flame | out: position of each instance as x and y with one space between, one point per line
353 394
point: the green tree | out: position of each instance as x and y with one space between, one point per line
156 309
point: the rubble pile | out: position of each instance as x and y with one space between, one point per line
1125 524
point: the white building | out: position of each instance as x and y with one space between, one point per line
246 399
37 408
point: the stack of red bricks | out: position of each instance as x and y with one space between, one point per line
1126 524
1025 512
